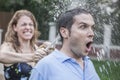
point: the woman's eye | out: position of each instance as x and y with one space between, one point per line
31 24
24 24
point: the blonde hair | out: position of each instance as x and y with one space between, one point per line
11 35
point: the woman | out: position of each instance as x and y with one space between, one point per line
20 38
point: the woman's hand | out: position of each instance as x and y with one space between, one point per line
47 47
39 54
43 50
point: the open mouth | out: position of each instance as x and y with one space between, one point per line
88 45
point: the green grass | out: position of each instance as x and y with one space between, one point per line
107 70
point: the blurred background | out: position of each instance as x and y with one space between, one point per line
106 48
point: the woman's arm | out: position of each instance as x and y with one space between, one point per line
12 57
9 56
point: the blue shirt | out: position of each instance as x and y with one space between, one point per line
58 66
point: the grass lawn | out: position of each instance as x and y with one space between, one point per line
107 70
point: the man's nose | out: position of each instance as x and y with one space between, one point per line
91 33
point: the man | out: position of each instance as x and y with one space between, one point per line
71 62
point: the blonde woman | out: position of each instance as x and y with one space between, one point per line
19 46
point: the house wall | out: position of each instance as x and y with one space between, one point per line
4 20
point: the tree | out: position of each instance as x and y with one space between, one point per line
44 11
104 11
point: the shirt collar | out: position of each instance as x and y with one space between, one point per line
62 57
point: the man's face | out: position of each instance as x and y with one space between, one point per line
81 35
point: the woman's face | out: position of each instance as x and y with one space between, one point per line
24 28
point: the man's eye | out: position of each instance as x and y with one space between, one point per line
93 28
83 26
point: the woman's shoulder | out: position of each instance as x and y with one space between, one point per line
6 46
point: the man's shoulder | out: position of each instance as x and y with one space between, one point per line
48 59
46 62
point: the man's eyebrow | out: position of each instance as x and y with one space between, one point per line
82 23
86 24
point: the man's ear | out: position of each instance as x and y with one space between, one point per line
64 32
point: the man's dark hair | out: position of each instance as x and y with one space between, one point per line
67 19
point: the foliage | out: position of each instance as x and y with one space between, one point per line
107 70
43 11
104 11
